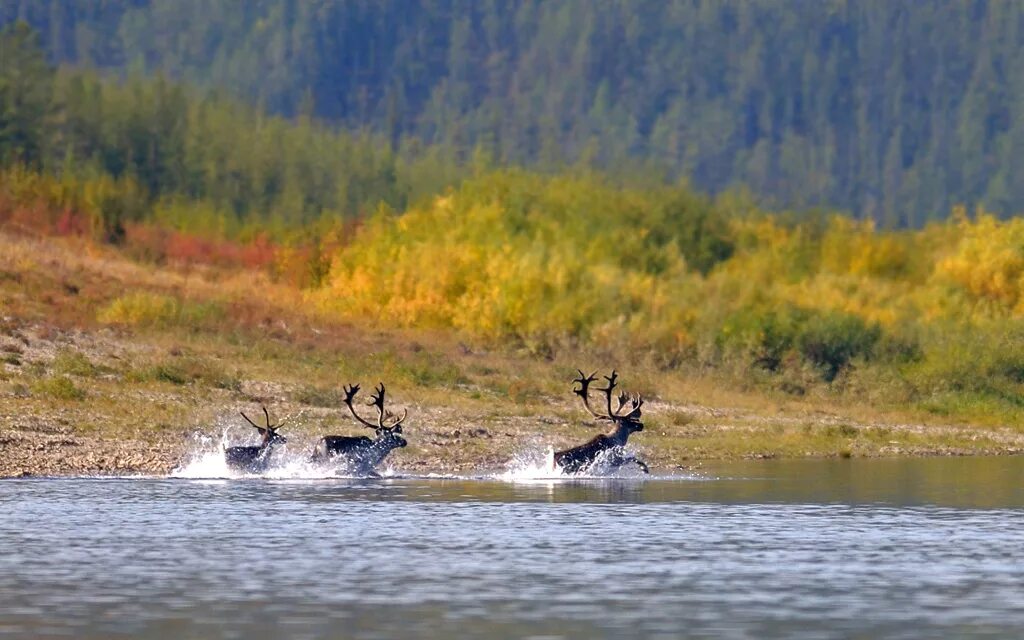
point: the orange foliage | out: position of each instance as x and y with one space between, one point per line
159 244
30 203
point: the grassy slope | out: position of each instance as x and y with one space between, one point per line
77 395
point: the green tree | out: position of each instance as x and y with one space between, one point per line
26 94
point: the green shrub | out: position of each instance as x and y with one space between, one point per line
168 373
140 308
829 341
73 363
699 230
182 371
900 347
200 314
318 396
59 388
145 309
966 368
426 370
423 368
761 337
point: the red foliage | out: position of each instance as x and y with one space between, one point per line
43 209
71 223
40 216
165 245
257 254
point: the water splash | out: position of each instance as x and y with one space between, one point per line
206 458
533 466
530 465
288 462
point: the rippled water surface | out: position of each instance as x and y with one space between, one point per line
830 549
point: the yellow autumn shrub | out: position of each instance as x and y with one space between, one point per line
512 255
987 264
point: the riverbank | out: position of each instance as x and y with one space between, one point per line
115 402
37 446
108 366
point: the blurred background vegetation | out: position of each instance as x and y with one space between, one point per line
792 196
891 110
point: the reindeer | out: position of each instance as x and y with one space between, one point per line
360 453
255 459
606 448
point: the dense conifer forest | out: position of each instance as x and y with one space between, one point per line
890 110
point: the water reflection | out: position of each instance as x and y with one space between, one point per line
982 483
978 482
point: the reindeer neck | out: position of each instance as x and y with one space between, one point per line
619 434
381 448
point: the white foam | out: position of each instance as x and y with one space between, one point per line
206 461
528 466
533 466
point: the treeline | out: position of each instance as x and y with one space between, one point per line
198 163
896 111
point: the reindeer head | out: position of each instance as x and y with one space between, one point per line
625 416
389 426
269 433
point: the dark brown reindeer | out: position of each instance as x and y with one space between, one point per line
361 454
255 459
607 449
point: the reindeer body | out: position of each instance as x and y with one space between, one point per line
253 459
606 449
361 454
256 458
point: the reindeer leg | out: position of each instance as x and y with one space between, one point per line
638 462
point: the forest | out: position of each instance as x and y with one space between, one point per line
890 111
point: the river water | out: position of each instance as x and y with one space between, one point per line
804 549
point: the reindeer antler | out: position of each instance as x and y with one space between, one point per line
384 414
584 389
635 402
376 400
266 416
625 401
350 395
609 389
266 431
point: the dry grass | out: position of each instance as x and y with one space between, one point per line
95 384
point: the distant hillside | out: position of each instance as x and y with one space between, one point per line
146 149
895 110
